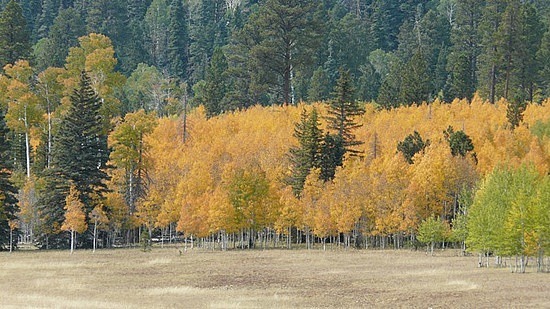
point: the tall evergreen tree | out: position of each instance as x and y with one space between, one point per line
342 111
80 148
67 27
49 11
134 50
543 60
14 36
331 156
489 60
288 32
416 84
8 201
531 32
206 32
107 17
178 40
216 84
307 154
385 22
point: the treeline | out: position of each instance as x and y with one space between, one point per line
232 54
117 140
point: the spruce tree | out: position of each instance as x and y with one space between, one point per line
332 155
178 40
342 111
216 84
307 154
14 37
68 26
8 201
415 81
459 142
80 148
411 145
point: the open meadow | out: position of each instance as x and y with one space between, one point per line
164 278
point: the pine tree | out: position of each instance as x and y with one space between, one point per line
46 18
332 156
216 84
318 88
415 81
489 60
307 154
543 59
205 33
14 37
411 145
342 111
288 38
459 142
134 51
67 27
526 66
178 40
80 147
8 200
514 112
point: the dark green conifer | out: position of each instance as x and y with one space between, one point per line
342 112
14 36
307 154
80 147
8 201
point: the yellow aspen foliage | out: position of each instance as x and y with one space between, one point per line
290 212
389 179
348 194
311 198
433 179
148 210
75 218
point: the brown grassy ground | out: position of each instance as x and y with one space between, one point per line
129 278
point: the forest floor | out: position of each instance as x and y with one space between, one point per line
164 278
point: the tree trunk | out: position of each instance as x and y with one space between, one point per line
95 235
72 241
11 240
492 84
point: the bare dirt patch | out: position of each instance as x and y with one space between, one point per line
262 279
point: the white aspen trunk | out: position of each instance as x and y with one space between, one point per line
72 241
95 235
27 146
11 240
289 238
49 136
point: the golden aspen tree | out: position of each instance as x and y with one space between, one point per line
24 110
75 218
389 179
434 176
349 193
316 210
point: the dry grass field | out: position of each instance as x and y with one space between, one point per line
129 278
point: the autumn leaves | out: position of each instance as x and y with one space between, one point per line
228 178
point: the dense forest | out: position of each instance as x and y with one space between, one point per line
370 122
